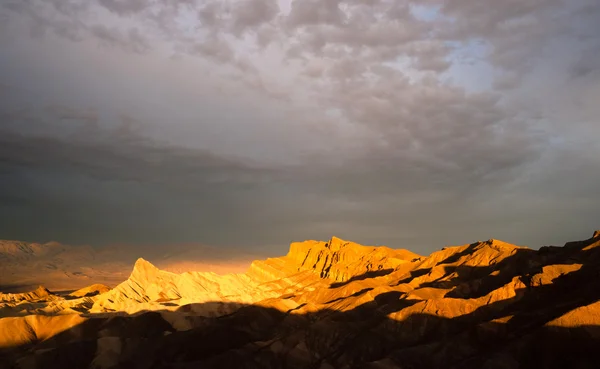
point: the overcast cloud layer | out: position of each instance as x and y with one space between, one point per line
253 123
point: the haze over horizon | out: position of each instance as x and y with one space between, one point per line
254 123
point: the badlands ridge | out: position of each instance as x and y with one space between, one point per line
333 304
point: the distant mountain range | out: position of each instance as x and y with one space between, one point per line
326 304
24 266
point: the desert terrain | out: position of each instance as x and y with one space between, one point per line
326 304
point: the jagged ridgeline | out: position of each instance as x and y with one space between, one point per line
333 304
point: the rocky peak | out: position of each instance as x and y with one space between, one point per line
144 270
341 260
42 291
336 244
498 244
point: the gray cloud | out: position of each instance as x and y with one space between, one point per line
121 156
588 62
215 48
42 20
384 122
66 20
132 40
251 14
88 116
309 13
236 17
116 186
125 7
430 55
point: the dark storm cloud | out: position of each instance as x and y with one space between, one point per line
116 186
118 158
434 122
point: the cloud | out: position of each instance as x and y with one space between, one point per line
125 7
68 21
377 118
86 116
310 13
506 81
251 14
98 185
588 63
121 156
132 40
215 48
43 19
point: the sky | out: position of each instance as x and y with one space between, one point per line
254 123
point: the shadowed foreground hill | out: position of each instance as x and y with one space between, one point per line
331 305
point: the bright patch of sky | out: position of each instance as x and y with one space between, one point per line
469 68
426 13
285 6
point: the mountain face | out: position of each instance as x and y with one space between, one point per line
333 304
26 265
